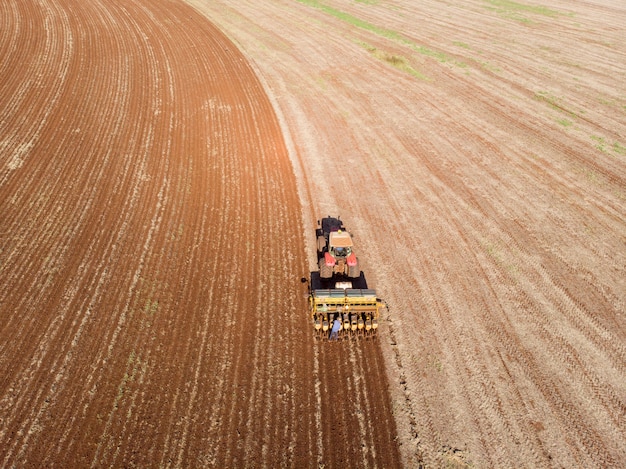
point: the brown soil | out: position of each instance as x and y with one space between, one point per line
152 251
477 149
156 215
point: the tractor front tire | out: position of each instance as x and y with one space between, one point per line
321 244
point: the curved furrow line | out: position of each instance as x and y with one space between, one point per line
552 340
494 392
212 243
584 381
214 295
92 246
158 170
363 405
359 430
234 240
17 191
226 276
155 223
61 179
433 439
334 425
197 343
162 322
55 54
44 234
514 236
353 418
11 27
145 174
268 380
484 189
380 413
377 410
99 284
595 452
218 286
547 386
320 390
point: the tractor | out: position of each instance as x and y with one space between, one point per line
339 291
335 250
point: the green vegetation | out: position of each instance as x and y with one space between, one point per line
619 148
353 20
399 62
434 362
547 97
592 176
514 10
151 307
487 66
134 368
605 147
600 143
496 253
481 63
515 6
493 251
554 103
383 32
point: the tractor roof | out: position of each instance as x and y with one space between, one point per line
340 239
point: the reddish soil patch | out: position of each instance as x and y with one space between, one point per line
151 316
151 246
477 149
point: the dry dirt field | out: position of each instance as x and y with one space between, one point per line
162 166
151 254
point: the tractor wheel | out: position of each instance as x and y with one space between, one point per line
321 244
326 271
354 271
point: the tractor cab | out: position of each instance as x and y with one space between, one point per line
340 244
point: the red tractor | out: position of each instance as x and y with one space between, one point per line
334 250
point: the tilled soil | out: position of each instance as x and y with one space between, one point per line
477 149
151 253
156 215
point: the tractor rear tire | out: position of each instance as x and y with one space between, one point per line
354 271
326 271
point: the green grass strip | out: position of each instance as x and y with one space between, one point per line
509 5
386 33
